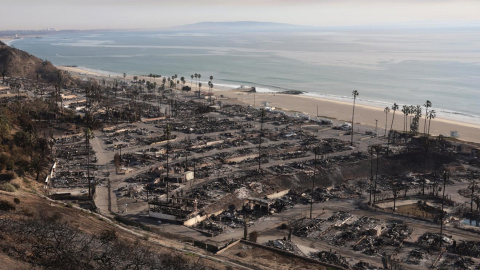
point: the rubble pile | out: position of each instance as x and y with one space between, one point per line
210 227
370 245
415 256
457 262
305 227
466 248
340 216
285 245
72 162
352 232
397 232
332 258
433 239
365 266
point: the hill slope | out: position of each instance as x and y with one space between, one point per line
17 63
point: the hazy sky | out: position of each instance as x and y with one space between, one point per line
122 14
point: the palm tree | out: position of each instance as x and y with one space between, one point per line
427 105
210 86
431 115
411 110
196 78
386 111
354 94
164 80
182 79
417 112
394 108
124 76
191 80
405 117
135 78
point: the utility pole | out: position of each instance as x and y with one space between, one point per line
262 115
376 127
245 230
371 175
473 185
445 176
317 110
110 196
377 148
167 136
313 182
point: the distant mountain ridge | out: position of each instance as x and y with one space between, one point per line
240 26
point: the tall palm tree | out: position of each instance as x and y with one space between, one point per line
405 116
386 111
210 86
427 105
431 115
412 111
191 81
394 108
196 79
354 94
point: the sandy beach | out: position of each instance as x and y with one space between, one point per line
333 109
342 111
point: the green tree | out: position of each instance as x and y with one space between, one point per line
5 126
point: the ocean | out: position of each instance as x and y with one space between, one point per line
384 66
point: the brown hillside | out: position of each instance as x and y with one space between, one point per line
17 63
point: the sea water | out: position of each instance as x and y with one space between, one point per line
401 66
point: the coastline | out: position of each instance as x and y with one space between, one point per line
327 108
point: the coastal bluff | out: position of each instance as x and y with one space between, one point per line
18 63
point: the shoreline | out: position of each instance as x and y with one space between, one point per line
327 108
